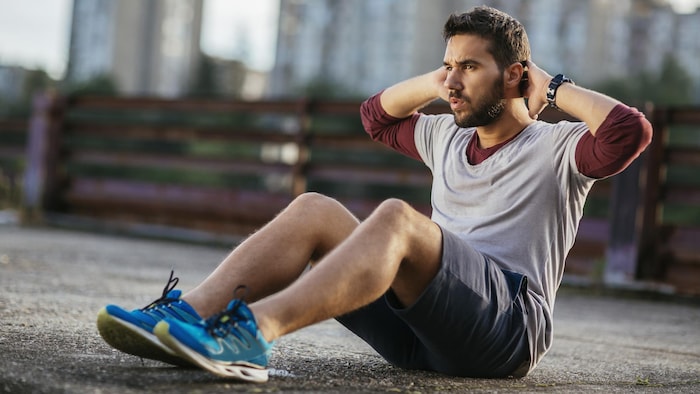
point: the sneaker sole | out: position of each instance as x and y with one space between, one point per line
242 371
134 340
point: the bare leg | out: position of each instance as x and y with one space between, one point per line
276 255
396 247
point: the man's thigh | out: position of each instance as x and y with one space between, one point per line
469 321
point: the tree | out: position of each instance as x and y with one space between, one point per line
218 77
204 84
35 81
674 84
671 86
100 85
323 88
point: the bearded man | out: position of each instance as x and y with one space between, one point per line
469 291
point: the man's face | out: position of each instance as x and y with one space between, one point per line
474 81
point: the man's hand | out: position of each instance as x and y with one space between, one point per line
536 92
407 97
440 75
586 105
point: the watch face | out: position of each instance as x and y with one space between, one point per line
552 89
550 93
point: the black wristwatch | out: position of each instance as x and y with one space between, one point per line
553 86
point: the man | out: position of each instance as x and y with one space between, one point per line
468 292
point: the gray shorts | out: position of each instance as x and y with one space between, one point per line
469 321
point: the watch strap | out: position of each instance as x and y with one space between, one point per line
553 86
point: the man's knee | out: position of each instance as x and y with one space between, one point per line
320 209
310 198
395 212
314 202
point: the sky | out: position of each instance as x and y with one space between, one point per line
35 33
241 29
685 6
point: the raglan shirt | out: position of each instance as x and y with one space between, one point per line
519 203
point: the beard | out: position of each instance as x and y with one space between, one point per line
485 111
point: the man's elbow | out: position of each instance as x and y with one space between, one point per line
640 129
370 118
646 132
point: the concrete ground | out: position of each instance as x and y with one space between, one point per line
53 282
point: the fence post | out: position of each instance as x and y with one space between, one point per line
649 264
299 181
43 149
622 252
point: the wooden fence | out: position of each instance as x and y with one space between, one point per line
219 169
13 134
669 245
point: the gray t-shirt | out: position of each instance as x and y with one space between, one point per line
520 207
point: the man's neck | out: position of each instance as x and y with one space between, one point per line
512 121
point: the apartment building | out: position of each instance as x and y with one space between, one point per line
361 46
148 47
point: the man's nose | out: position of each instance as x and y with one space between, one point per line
452 82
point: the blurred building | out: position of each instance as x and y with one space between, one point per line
148 47
12 79
583 39
657 32
362 46
356 45
652 27
229 79
687 46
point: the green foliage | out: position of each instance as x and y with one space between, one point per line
672 86
14 109
10 188
204 85
101 85
35 81
323 88
217 78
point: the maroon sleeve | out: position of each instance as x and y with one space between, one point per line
393 132
622 137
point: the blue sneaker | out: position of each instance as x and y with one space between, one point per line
228 344
132 331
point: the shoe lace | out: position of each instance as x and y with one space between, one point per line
222 323
172 282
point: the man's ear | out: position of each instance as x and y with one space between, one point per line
515 79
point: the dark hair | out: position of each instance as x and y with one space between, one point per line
508 40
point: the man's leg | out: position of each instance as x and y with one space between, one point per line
469 321
276 255
396 247
267 262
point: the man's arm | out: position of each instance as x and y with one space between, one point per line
622 137
406 98
618 133
390 116
590 107
396 133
